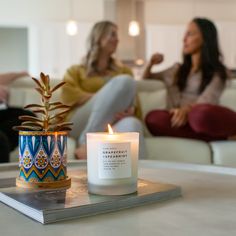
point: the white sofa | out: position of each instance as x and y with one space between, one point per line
152 95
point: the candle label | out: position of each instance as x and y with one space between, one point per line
114 160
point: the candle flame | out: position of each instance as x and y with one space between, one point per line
110 131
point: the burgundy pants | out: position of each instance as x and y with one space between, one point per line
205 122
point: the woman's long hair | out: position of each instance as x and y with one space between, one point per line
98 31
211 57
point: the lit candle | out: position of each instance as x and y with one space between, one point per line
112 160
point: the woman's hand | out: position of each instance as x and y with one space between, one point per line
156 59
128 112
179 116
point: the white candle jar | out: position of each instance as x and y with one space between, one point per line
112 163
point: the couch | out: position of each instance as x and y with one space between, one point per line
152 94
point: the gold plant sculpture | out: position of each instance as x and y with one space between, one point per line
51 115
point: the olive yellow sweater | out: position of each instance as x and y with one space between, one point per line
78 85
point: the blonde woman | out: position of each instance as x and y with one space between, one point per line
101 89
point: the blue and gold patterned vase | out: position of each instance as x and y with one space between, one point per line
43 159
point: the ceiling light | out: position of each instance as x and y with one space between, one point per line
134 29
71 28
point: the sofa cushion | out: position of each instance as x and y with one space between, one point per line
152 100
224 152
228 97
22 92
178 149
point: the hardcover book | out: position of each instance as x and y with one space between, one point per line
48 206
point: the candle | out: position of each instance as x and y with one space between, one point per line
112 160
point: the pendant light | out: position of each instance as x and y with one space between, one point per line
134 28
71 25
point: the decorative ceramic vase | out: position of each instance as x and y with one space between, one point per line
43 159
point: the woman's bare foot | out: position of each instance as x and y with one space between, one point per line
81 152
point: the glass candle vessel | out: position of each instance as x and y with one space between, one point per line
112 163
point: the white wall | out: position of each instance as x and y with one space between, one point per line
50 49
167 39
166 21
13 49
181 11
168 11
25 11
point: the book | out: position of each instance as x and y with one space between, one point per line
48 206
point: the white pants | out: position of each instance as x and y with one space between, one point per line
115 96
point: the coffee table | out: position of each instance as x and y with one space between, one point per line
208 206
